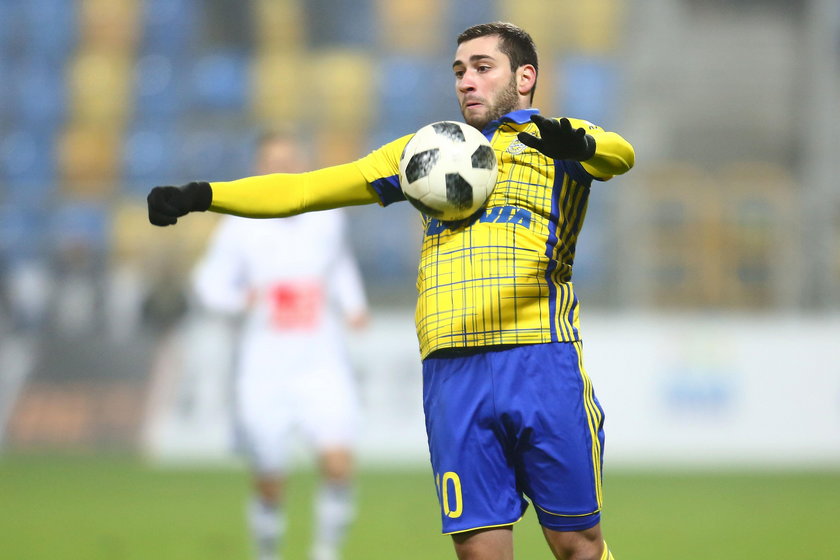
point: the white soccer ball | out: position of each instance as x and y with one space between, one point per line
448 170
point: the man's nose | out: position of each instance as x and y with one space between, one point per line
466 84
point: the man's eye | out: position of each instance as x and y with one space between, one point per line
483 68
459 74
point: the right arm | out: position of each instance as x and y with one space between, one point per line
285 194
373 178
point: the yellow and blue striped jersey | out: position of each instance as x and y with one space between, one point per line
504 277
501 278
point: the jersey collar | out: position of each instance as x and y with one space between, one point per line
521 116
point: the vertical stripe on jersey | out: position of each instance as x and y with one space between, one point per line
550 248
573 198
563 200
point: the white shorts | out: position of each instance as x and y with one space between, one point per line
318 403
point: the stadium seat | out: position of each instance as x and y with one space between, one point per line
214 154
596 249
336 23
6 112
109 26
158 94
57 16
148 157
21 230
758 227
83 223
343 90
589 89
169 27
412 27
279 26
11 34
99 84
272 101
220 81
27 165
678 236
420 80
89 159
38 96
461 15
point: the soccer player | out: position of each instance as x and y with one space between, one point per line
294 281
510 411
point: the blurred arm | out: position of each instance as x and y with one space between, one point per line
347 284
218 280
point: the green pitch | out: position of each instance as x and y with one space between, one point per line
105 508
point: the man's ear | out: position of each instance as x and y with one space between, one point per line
526 79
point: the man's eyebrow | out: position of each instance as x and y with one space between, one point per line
473 58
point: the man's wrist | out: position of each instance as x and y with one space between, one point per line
200 194
589 151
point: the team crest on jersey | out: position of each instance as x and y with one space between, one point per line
516 147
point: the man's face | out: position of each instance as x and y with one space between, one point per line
484 83
280 155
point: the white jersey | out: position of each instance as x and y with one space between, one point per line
294 280
293 277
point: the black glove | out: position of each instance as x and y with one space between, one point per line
167 204
559 140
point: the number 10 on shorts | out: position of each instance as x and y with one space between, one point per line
449 492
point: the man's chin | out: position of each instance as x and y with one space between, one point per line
476 121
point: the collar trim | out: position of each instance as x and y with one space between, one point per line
520 116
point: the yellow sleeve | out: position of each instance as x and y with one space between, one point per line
613 154
285 194
371 179
384 162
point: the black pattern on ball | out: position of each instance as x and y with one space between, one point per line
421 164
451 130
483 158
458 191
428 210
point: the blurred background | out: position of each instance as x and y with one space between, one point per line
709 275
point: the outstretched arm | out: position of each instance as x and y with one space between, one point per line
265 196
281 194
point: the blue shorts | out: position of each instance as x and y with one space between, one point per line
509 423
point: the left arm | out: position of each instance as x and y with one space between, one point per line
602 154
613 155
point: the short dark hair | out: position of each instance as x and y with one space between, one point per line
515 42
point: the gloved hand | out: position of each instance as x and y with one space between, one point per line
167 204
559 140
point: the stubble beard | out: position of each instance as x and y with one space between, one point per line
503 104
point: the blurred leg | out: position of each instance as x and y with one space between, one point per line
266 516
334 503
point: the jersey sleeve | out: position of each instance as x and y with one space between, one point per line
285 194
381 169
371 179
613 154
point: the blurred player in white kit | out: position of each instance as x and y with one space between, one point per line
295 282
